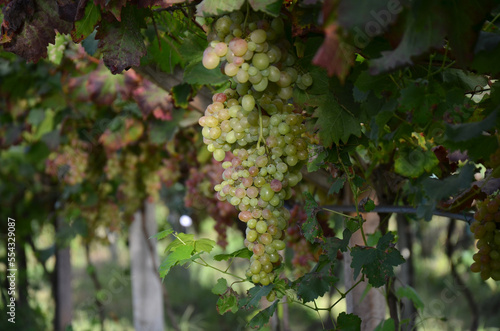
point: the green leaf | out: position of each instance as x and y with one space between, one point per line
335 122
254 296
196 73
176 257
84 27
262 318
410 293
387 325
244 253
467 131
181 94
163 131
437 190
333 244
376 263
348 322
55 51
227 302
369 205
318 162
181 239
221 287
121 43
411 161
218 7
367 13
424 29
162 234
270 7
337 185
165 55
317 282
90 44
204 245
311 228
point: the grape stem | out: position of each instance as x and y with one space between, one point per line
205 264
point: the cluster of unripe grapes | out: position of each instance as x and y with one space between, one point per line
256 122
486 229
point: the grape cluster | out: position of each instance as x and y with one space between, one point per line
303 252
256 122
486 229
69 164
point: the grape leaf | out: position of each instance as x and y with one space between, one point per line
218 7
244 253
259 320
204 245
336 56
84 27
437 190
337 185
181 95
165 55
335 122
387 325
177 256
270 7
181 240
152 99
34 24
121 43
424 29
254 296
348 322
317 282
376 263
113 6
333 244
227 302
221 287
196 73
467 131
414 161
368 16
311 228
162 234
410 293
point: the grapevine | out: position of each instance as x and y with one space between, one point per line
256 122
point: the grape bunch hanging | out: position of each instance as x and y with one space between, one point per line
255 121
486 229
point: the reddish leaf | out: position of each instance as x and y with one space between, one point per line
447 167
122 44
35 24
113 6
152 99
334 55
103 86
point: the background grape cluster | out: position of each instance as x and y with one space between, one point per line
486 229
255 121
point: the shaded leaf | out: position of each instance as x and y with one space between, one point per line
376 263
348 322
181 95
414 161
335 123
410 293
337 185
196 73
84 27
153 99
262 318
387 325
317 282
467 131
311 228
336 56
121 42
33 25
254 296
